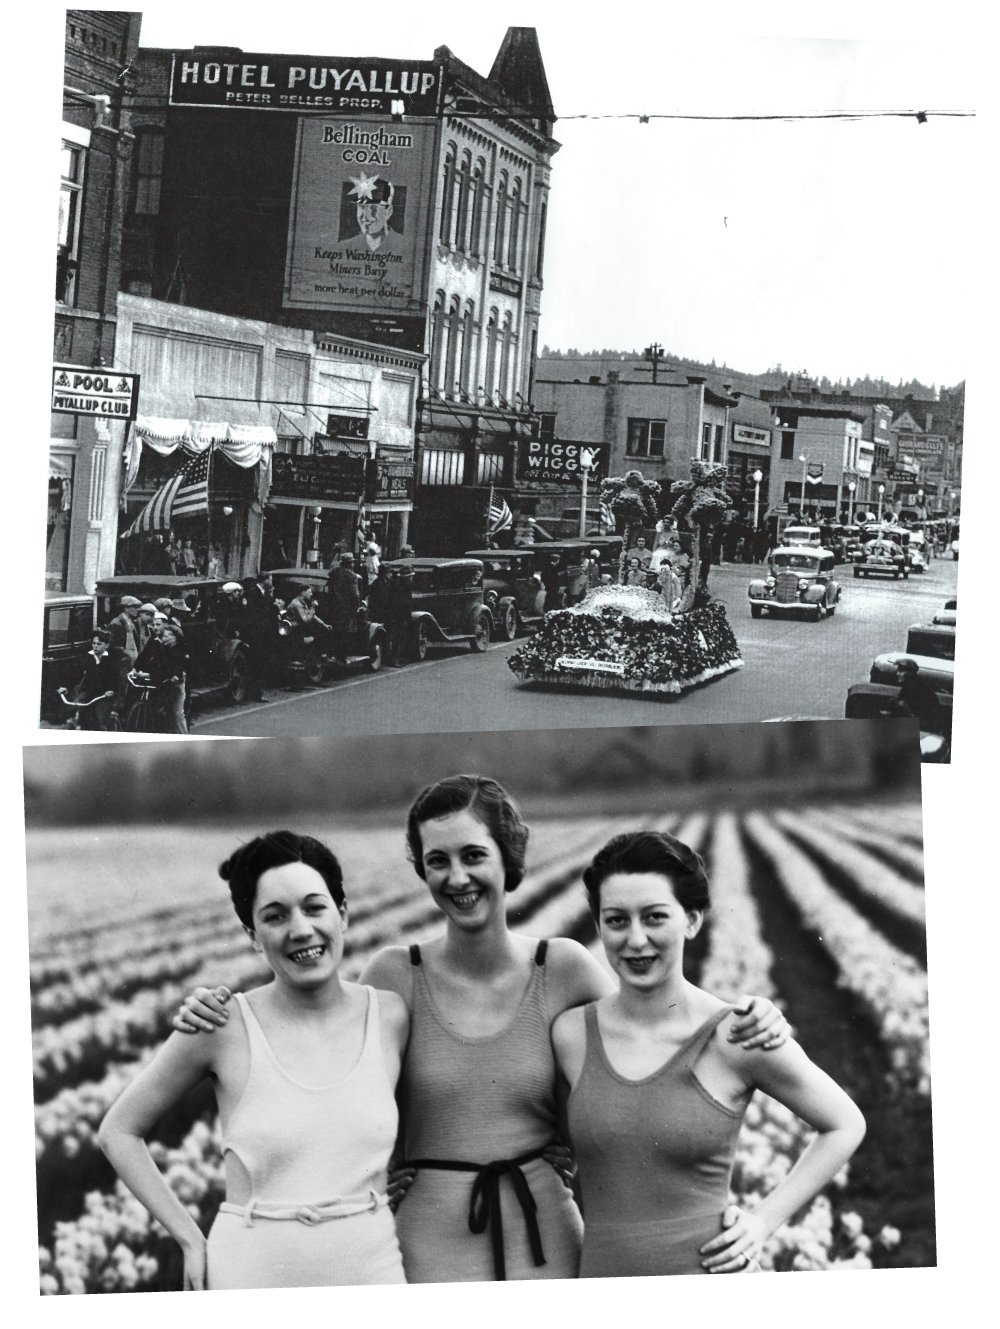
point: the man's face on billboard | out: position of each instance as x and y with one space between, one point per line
373 218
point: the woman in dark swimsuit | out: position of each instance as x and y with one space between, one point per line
658 1087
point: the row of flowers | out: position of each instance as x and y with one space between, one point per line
872 878
891 985
739 961
906 857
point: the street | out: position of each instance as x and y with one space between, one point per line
791 669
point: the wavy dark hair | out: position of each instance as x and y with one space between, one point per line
650 851
489 802
244 868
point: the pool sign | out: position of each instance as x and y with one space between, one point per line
77 390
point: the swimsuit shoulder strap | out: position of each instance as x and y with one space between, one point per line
688 1054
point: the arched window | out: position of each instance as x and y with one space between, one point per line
464 183
476 209
498 238
515 226
540 254
489 377
505 348
437 336
447 195
467 360
452 350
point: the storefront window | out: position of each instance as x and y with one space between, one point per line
59 518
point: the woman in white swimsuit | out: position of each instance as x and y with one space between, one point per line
304 1075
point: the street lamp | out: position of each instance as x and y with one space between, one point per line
757 477
881 495
851 486
588 458
804 459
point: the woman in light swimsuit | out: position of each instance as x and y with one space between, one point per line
305 1074
657 1087
481 1196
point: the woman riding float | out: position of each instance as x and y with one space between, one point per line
480 1140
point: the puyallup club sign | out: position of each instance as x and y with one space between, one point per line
300 83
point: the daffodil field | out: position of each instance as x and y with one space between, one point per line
820 909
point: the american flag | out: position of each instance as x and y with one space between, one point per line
499 517
183 495
608 522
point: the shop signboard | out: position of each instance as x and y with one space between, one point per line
361 204
758 438
330 84
391 482
338 478
556 459
77 390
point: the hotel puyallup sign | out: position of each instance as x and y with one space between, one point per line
301 83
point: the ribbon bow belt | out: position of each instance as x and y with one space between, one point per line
484 1202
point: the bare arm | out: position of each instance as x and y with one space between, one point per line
179 1065
790 1077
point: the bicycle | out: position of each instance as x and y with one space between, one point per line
142 715
73 721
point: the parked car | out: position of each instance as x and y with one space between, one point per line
509 588
448 604
801 582
217 658
932 645
802 535
306 652
875 701
68 630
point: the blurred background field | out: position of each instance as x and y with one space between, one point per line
812 834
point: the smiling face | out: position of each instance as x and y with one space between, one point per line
643 928
463 868
296 925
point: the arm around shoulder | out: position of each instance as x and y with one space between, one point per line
390 970
574 977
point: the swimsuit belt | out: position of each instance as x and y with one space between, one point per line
310 1214
484 1203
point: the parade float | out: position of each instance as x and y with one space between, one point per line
628 637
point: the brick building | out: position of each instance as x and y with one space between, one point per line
96 165
238 208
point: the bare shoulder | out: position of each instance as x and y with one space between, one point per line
569 1029
393 1013
756 1065
390 970
574 977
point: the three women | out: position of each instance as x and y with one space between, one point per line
492 1016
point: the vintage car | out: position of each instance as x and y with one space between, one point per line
932 645
217 658
305 652
511 589
66 636
876 701
448 604
801 582
883 557
810 536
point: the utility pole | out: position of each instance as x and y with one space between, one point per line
654 353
